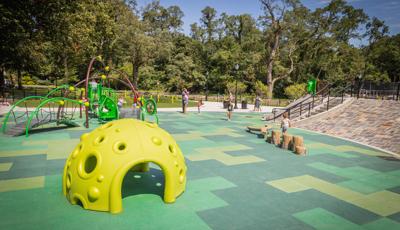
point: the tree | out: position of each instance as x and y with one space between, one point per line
274 18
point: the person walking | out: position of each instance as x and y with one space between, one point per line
199 105
257 104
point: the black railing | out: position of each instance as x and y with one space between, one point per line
373 90
328 95
309 101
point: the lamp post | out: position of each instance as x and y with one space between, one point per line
236 68
359 85
207 86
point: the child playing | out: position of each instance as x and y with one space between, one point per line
199 104
285 124
230 109
120 103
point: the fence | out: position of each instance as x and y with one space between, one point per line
372 90
11 95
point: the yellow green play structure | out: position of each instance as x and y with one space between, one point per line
61 105
149 109
94 172
312 86
103 102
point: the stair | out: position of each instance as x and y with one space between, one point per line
322 107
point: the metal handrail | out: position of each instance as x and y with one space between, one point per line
288 109
318 93
298 107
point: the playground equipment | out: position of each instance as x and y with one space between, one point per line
149 108
312 86
25 119
100 103
94 172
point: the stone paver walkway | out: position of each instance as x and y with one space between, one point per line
210 106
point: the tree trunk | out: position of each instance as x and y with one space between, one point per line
271 61
270 89
66 73
135 73
2 83
19 79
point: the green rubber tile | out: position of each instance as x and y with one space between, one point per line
395 217
382 181
139 210
355 172
319 218
381 165
191 147
395 189
217 196
24 166
383 223
360 186
395 173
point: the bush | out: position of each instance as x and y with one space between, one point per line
296 91
28 80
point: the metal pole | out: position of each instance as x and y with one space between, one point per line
398 91
309 109
359 88
313 96
301 107
274 112
236 95
342 96
327 105
351 90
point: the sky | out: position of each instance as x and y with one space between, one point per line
386 10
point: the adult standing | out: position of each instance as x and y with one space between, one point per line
186 101
183 100
257 104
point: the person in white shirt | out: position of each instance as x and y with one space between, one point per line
285 124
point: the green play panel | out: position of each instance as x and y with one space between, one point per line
235 181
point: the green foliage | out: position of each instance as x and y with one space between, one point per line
296 91
231 87
261 89
28 80
54 40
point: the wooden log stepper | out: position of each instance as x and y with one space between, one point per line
297 141
276 137
287 141
301 150
298 145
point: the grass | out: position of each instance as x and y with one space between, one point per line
175 104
